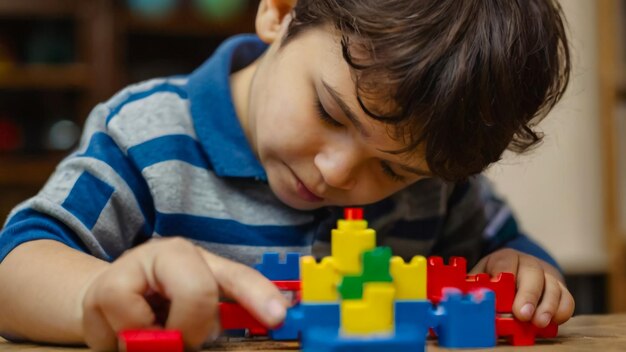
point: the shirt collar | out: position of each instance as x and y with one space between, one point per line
213 111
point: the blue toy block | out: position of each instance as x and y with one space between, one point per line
273 269
320 339
306 316
419 315
468 321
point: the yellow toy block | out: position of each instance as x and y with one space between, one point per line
409 279
348 242
318 281
374 314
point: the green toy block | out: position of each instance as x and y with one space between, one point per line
375 269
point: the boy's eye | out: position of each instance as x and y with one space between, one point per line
325 116
389 172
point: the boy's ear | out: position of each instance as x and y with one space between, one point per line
270 17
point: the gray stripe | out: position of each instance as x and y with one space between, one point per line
179 187
155 116
124 94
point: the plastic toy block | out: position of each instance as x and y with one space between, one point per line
306 316
353 213
331 340
419 315
371 315
319 280
440 276
150 341
503 285
235 317
287 285
409 278
375 269
271 268
521 333
348 241
469 320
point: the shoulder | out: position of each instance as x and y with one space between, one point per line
148 110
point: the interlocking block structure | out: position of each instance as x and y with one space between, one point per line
523 333
409 278
348 241
373 314
503 285
319 281
469 320
441 275
272 268
375 269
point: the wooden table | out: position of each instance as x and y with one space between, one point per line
597 333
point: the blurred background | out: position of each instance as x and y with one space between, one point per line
58 58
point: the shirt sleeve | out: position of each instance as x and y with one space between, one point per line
96 201
478 222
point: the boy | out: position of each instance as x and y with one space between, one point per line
394 105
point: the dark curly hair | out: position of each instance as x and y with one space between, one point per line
463 80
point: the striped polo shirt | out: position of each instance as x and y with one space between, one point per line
168 157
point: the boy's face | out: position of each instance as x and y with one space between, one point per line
303 121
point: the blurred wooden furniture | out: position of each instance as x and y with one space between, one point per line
582 333
112 47
612 65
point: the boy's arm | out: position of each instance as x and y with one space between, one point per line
478 223
481 227
42 284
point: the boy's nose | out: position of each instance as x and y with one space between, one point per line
338 169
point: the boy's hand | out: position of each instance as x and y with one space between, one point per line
541 294
189 278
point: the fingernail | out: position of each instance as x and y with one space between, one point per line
276 310
527 311
544 319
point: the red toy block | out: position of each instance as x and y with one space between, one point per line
353 213
440 276
287 285
503 285
151 341
235 317
523 333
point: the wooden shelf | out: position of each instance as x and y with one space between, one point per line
45 77
187 23
27 170
39 8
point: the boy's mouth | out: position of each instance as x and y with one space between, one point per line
304 192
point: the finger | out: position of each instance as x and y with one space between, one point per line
116 303
530 281
264 302
99 335
549 302
566 306
193 292
502 261
479 267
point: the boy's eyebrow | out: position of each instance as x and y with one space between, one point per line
346 109
359 126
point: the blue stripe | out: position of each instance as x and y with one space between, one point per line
29 225
103 148
232 232
164 87
88 198
171 147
